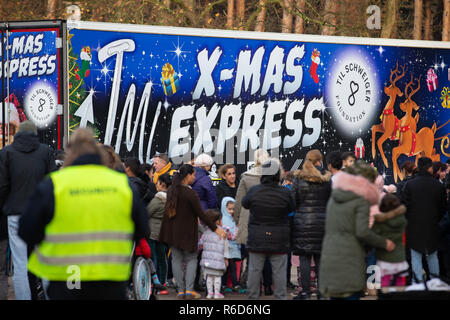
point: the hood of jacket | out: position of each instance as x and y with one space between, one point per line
162 195
384 216
199 174
347 187
227 219
314 174
25 142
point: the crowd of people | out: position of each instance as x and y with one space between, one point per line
331 219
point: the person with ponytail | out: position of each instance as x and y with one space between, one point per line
179 229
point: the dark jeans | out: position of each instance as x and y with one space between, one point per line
289 266
3 269
159 251
169 267
231 270
243 272
89 290
305 270
35 283
267 273
444 264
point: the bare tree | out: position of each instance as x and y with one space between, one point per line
230 14
240 12
428 19
51 9
330 17
286 26
261 18
418 8
299 22
446 21
389 29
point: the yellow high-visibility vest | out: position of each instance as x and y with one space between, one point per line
91 233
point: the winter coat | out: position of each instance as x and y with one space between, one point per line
169 168
342 264
224 190
213 251
205 189
391 225
268 225
140 187
312 190
229 224
401 185
23 165
40 209
181 231
156 211
249 179
426 203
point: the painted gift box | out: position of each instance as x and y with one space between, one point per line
360 151
445 97
432 80
170 80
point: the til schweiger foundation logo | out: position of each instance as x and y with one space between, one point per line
40 105
352 93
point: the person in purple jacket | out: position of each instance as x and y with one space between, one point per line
203 184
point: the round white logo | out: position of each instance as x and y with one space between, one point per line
353 92
40 105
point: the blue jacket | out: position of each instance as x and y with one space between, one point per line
205 189
229 224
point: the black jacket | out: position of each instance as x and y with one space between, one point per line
141 188
268 226
401 186
41 209
311 194
23 164
425 200
224 190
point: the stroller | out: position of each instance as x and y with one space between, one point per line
141 286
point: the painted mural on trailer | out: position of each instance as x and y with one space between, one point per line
32 64
147 93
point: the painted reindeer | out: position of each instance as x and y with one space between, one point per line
389 123
412 143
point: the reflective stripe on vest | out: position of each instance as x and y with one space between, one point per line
66 238
92 227
82 259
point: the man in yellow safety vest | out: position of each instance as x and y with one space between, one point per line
83 220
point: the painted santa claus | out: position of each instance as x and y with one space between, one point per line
14 115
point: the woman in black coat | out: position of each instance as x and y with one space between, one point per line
312 191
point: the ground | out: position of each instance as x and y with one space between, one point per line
230 296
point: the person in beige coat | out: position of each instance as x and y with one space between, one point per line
249 179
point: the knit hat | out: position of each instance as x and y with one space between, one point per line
27 126
203 160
